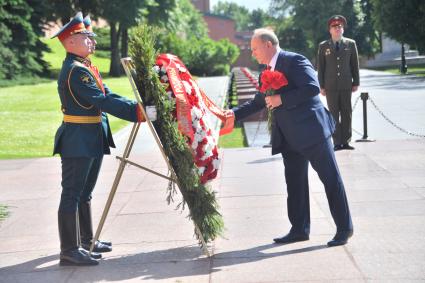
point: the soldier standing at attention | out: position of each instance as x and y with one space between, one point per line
338 72
82 139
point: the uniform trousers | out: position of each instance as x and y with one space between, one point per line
322 159
339 103
79 176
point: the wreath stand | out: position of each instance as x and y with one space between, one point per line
130 72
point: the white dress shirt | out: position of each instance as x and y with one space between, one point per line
273 61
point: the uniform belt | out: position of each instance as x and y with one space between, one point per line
82 119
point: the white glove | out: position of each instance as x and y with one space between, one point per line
151 112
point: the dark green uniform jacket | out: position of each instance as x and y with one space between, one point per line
83 103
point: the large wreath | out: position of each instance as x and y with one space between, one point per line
181 126
190 113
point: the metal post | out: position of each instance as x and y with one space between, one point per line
403 66
364 96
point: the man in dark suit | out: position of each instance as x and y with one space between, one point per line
82 139
338 72
301 132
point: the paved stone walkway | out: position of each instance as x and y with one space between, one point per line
385 184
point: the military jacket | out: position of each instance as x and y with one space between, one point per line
85 100
338 70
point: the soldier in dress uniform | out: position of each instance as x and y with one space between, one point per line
338 72
83 138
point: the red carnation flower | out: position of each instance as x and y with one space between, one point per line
272 80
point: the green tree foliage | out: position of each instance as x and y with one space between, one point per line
120 15
187 37
310 17
18 55
8 62
186 21
203 56
244 19
238 13
38 21
124 14
209 57
367 37
258 18
402 20
184 31
64 10
291 36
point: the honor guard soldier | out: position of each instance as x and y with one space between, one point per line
338 72
83 138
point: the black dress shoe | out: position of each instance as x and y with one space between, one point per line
341 238
337 147
99 247
75 257
93 254
347 146
106 243
291 238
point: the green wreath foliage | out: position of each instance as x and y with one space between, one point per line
201 200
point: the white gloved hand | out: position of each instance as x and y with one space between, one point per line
151 112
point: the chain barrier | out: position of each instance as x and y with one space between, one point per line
393 123
354 107
355 103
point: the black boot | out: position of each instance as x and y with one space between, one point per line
86 230
70 252
93 254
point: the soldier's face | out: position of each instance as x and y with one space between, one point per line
94 42
336 31
82 45
262 51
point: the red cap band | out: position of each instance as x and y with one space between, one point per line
77 28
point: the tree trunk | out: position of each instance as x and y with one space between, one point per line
115 69
124 43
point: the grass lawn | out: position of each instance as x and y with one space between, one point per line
235 139
411 70
3 212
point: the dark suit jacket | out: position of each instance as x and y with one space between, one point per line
301 120
81 96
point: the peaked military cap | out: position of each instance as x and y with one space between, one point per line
337 19
74 26
87 24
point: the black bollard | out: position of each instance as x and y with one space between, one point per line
364 96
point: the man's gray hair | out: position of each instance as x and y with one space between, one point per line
266 34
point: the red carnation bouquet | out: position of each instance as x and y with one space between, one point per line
271 81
